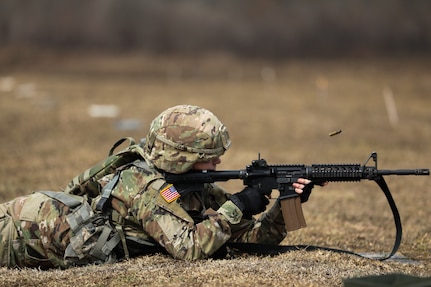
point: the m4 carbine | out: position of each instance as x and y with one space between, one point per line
266 178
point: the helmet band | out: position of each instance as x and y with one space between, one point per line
182 147
224 135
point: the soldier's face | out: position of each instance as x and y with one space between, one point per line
207 165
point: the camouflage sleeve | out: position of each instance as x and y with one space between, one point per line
269 228
173 228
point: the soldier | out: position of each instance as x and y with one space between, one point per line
143 213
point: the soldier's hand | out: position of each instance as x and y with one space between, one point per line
250 201
304 187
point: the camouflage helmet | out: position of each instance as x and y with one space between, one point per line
183 135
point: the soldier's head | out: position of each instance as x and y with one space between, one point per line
183 136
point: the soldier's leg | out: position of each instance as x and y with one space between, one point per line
7 235
42 231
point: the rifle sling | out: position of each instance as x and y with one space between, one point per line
268 249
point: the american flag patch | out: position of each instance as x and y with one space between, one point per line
169 193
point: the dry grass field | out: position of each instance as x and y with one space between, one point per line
284 111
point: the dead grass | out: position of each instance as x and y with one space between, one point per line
299 268
284 111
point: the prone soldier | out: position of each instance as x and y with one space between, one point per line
139 212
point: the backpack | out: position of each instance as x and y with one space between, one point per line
87 183
93 238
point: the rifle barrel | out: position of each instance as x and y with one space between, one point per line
420 171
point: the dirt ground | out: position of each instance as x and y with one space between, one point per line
50 131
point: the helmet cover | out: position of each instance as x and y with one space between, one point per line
183 135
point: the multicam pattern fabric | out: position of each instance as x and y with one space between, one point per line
183 135
185 228
33 232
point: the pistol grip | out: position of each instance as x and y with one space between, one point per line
292 213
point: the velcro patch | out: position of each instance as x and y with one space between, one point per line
169 193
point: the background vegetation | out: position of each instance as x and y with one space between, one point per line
268 28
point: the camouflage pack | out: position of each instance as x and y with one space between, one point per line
87 183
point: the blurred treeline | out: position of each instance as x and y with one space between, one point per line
243 27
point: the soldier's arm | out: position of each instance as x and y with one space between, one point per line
173 228
269 228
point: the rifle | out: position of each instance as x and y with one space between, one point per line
269 177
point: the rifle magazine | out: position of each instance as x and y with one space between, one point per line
292 213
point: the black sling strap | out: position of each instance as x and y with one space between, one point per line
266 249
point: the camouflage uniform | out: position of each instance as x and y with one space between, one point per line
53 230
33 232
142 213
184 227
